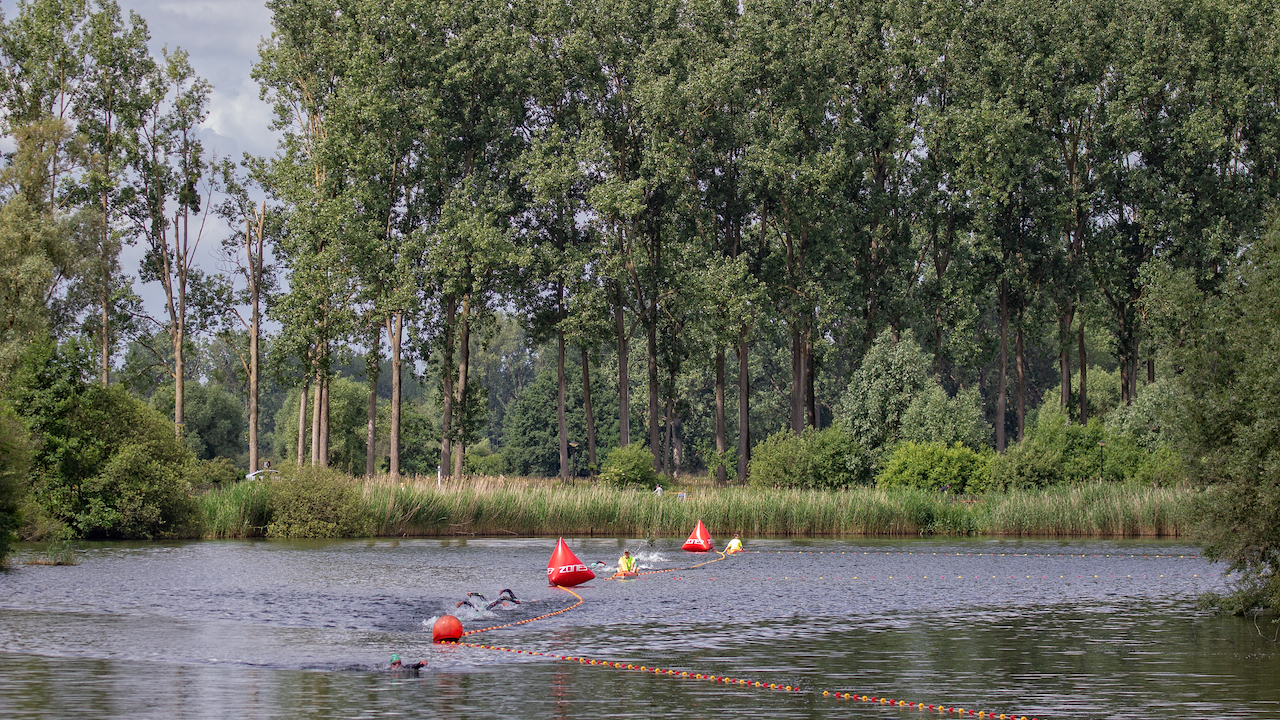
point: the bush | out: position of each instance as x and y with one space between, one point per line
105 464
826 459
15 460
218 472
630 466
934 466
482 460
1057 450
893 397
316 503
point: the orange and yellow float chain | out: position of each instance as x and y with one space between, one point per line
742 682
972 554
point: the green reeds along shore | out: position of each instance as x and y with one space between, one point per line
528 507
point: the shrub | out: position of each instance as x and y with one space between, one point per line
316 503
825 459
1057 450
893 396
15 460
934 466
105 464
630 466
217 472
482 460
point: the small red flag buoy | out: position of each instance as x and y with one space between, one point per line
565 569
699 540
447 629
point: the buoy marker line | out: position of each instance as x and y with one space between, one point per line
744 682
977 554
529 620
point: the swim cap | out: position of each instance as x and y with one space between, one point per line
395 657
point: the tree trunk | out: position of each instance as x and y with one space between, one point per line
372 369
744 407
255 330
1004 364
394 334
1064 358
562 426
446 400
721 443
315 420
1084 372
655 433
797 384
106 354
624 385
669 435
302 421
324 422
464 358
1021 360
586 408
179 387
810 397
1151 370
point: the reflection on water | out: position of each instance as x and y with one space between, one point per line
300 629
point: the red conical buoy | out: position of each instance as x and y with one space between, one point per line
447 629
566 569
700 540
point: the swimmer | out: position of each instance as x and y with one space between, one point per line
504 597
626 563
397 666
598 566
734 546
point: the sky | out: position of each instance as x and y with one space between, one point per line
221 37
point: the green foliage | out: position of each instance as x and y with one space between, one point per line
1226 419
316 503
15 461
531 442
217 472
630 466
482 460
1057 450
216 422
935 467
933 417
348 426
106 465
894 397
815 459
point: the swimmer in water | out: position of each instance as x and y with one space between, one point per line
504 597
397 666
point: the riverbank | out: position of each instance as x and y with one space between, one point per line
539 507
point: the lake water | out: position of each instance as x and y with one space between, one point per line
245 629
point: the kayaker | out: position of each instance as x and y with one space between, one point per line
626 563
734 546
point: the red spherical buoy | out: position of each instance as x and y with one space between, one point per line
447 629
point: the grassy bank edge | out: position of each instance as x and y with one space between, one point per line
526 507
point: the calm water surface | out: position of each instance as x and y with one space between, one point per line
1050 629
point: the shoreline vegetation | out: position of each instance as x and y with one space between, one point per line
533 507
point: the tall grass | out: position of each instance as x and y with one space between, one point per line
539 507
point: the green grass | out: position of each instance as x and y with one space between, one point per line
538 507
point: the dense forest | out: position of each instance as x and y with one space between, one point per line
508 237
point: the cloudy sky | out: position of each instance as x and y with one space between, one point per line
221 37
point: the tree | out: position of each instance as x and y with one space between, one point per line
1226 421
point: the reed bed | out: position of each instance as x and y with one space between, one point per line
529 507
